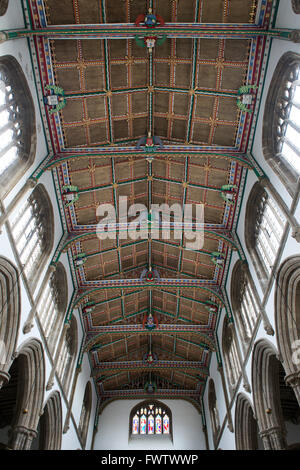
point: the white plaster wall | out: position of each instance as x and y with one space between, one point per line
113 428
285 19
13 19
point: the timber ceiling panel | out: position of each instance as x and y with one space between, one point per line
185 92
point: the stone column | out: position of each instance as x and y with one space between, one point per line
29 322
21 438
230 425
28 186
265 182
67 420
294 381
4 378
274 438
50 382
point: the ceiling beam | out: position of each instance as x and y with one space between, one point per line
144 366
129 31
183 151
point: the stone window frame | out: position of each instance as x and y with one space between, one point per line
286 173
67 357
231 354
242 283
255 208
51 314
43 217
85 415
213 410
24 111
145 404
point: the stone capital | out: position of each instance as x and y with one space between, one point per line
295 36
296 233
293 379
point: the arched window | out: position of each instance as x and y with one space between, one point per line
230 353
32 229
67 357
52 305
264 228
151 418
213 410
85 413
244 300
17 123
3 7
296 6
281 129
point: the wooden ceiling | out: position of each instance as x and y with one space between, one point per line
185 92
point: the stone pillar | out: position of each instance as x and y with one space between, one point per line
4 378
293 380
29 322
230 425
274 438
67 420
28 186
265 182
295 36
50 382
21 438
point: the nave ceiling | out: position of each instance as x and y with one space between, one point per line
185 92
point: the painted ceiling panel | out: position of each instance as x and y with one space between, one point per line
185 92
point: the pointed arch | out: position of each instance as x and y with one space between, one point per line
9 315
287 319
246 430
266 395
30 394
51 424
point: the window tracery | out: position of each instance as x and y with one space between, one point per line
17 123
150 418
263 242
245 301
68 355
32 229
281 130
231 353
52 305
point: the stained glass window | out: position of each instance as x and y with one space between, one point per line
151 419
